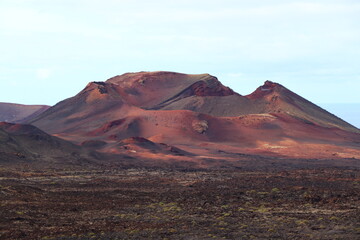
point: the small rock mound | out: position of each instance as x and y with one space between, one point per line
200 126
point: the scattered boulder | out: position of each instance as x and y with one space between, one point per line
200 126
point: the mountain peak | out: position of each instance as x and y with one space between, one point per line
267 88
96 91
144 78
271 85
149 89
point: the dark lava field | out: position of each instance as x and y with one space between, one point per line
177 204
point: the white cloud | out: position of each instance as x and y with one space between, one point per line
43 73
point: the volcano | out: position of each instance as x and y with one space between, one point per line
200 118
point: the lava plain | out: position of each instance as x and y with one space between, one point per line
95 203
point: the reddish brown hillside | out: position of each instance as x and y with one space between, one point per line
197 114
97 103
275 98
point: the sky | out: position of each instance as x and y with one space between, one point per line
50 50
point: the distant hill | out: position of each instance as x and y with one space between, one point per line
18 113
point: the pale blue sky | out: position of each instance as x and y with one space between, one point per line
50 49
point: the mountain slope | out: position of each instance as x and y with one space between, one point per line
21 143
96 103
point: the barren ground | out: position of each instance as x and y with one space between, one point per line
165 204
